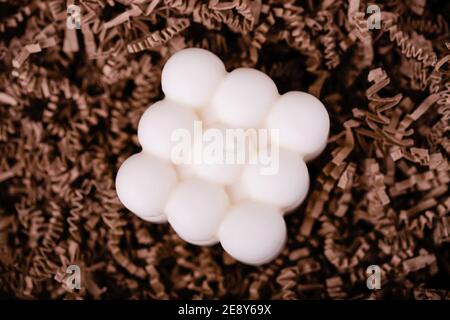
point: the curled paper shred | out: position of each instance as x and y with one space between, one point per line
159 37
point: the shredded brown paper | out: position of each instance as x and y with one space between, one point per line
70 101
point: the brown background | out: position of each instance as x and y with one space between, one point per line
69 106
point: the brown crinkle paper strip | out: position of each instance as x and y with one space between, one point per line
70 101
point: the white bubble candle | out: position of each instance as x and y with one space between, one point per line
233 191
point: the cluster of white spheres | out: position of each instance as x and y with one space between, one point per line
235 205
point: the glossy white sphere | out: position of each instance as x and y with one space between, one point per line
143 185
302 121
158 125
253 233
195 210
288 185
244 97
191 76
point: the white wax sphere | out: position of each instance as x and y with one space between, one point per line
244 97
253 233
158 124
302 121
143 184
195 210
218 155
190 77
288 186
